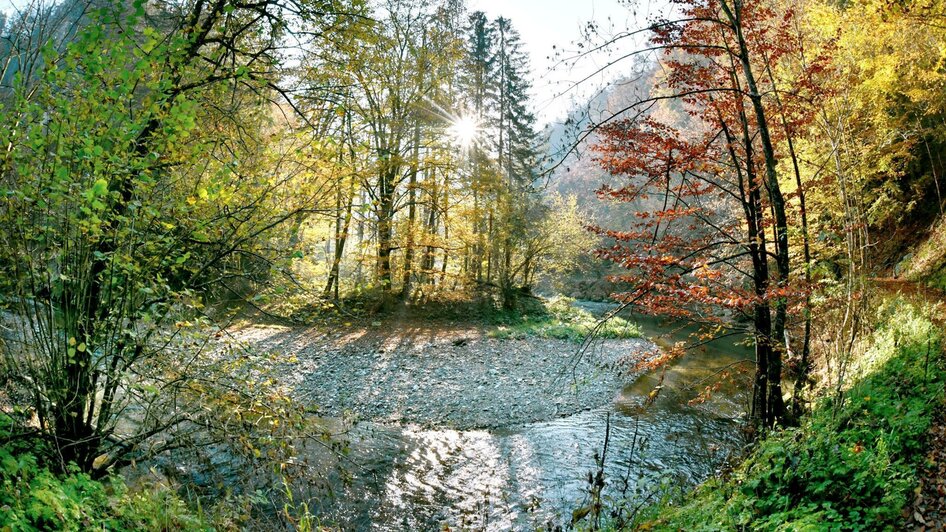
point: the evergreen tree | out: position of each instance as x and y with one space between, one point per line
516 150
477 85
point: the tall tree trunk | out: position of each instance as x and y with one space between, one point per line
411 216
385 229
446 232
359 265
490 251
476 257
777 201
342 226
430 228
751 202
804 364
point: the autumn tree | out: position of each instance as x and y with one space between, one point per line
718 244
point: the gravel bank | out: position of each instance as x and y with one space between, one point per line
444 375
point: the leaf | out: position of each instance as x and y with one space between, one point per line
580 513
100 188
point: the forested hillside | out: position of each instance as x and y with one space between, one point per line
306 264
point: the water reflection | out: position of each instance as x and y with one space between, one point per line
530 476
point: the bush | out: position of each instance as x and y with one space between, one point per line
34 498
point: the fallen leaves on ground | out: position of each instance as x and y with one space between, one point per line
929 506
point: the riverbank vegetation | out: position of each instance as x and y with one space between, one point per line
560 318
853 462
795 163
34 497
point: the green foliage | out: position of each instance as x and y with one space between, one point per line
938 279
34 498
145 176
852 464
560 318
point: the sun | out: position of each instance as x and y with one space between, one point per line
464 131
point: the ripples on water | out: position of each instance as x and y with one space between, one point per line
530 476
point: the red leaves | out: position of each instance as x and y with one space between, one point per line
698 182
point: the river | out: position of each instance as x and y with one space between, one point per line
535 475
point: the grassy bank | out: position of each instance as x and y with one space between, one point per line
851 465
560 318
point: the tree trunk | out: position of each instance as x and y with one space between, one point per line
427 262
342 226
385 229
775 400
411 217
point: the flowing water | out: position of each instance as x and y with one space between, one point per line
530 476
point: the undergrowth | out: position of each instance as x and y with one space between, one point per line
33 498
927 264
851 465
560 318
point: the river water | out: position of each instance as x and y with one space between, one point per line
535 475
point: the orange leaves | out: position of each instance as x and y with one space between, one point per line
696 177
661 358
705 273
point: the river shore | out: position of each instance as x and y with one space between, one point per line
445 375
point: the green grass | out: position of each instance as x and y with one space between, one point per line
559 318
851 467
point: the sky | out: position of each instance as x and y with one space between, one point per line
547 23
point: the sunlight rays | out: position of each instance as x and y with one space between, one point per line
464 129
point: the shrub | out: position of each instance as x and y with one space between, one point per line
34 498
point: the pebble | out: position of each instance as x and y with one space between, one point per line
483 383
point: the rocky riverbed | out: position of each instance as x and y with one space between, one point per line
444 375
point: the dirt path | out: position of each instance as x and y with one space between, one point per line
443 375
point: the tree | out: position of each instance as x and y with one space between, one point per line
387 76
717 176
516 153
120 215
477 83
